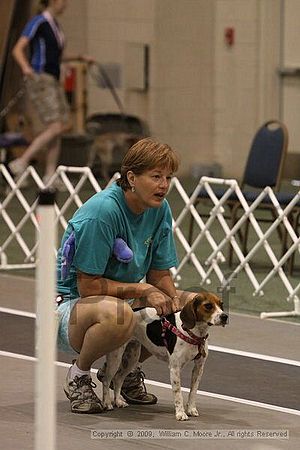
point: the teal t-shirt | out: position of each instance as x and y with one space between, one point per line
97 224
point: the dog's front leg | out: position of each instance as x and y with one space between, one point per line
129 361
176 387
196 377
113 361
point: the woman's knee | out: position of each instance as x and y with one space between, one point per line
67 126
57 128
117 312
115 316
105 310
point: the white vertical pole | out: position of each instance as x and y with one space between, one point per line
45 340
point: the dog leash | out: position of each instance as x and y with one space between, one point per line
16 97
192 339
102 78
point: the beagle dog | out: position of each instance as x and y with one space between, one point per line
178 339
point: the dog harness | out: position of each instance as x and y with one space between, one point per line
191 339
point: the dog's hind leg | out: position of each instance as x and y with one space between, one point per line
129 361
113 361
196 377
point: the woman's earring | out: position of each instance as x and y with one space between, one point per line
132 189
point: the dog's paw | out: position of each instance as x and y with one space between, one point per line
108 406
181 415
120 402
192 411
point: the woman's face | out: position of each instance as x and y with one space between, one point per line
151 187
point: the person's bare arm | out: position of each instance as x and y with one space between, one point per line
90 285
96 285
19 53
162 279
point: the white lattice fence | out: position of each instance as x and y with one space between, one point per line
17 210
214 264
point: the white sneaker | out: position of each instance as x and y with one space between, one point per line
56 184
17 167
82 396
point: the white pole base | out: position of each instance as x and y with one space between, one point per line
295 313
265 315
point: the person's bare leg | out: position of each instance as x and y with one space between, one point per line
52 131
97 326
52 156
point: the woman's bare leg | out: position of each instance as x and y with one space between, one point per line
52 131
97 326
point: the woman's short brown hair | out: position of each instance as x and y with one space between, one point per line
145 155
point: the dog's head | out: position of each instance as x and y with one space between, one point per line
205 307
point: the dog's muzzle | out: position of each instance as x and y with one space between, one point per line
224 319
221 320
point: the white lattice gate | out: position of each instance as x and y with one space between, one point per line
17 226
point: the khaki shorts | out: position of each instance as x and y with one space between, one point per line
48 98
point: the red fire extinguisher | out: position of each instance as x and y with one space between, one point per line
70 83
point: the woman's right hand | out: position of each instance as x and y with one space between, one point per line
158 300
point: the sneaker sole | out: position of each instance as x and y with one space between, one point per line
87 412
134 401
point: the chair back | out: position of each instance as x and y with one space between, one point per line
266 157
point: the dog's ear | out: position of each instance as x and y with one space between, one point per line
188 314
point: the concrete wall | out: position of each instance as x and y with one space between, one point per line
182 85
204 98
246 84
75 22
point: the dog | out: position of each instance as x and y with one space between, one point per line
103 149
178 339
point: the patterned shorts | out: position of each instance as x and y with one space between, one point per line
48 98
64 311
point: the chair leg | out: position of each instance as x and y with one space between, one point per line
284 243
295 224
245 237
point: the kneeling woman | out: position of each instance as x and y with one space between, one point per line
118 238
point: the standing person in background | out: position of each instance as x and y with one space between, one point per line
45 39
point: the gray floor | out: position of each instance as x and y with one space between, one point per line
245 379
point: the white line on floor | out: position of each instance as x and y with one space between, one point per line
168 386
17 312
231 399
290 362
